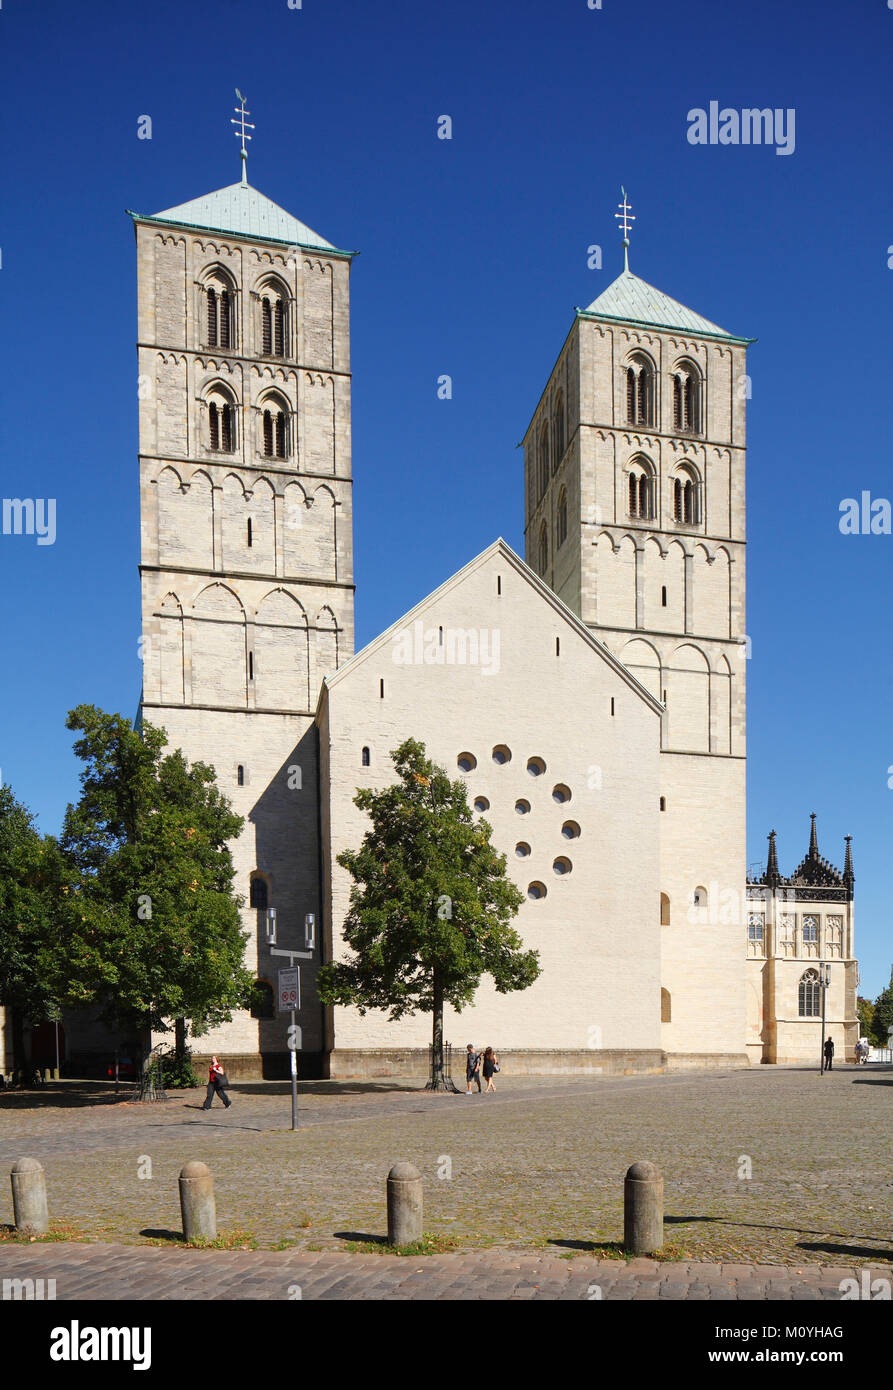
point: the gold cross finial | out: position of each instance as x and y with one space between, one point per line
625 217
240 133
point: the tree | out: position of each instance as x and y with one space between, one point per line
882 1021
865 1010
154 928
430 906
31 874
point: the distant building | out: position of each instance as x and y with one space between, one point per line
796 927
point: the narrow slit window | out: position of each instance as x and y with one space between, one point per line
612 704
280 435
366 757
381 689
663 596
249 534
251 666
240 776
558 646
212 318
266 319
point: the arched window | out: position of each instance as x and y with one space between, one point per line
240 776
686 398
544 549
640 391
258 895
263 999
544 458
273 320
685 499
221 421
558 432
562 517
274 428
366 757
640 490
810 995
664 910
666 1012
219 314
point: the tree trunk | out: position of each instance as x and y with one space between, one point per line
19 1060
437 1080
180 1039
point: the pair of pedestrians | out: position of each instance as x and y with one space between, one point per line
475 1063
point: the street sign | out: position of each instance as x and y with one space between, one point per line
289 990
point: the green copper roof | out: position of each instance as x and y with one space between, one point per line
240 209
633 301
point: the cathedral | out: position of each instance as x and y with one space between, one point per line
591 694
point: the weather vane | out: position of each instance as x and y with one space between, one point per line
625 217
240 133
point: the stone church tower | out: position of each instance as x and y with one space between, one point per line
246 540
634 514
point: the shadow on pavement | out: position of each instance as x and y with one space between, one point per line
360 1235
68 1094
859 1252
175 1237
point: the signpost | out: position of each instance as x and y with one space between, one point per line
290 999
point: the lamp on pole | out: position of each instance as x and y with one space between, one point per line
824 982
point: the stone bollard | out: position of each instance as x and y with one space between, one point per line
29 1197
404 1204
46 1075
197 1202
643 1210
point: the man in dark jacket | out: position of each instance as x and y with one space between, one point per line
829 1053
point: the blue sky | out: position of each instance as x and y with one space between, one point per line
473 256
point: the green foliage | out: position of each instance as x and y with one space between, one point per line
152 927
865 1010
174 1073
431 906
882 1020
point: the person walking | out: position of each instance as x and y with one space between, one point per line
491 1064
216 1085
829 1053
472 1069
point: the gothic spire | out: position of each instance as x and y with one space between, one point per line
772 874
849 877
813 839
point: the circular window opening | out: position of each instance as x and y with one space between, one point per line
522 807
481 803
570 830
501 754
536 767
562 866
561 793
536 890
522 849
467 762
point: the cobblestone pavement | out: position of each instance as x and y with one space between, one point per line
539 1166
115 1272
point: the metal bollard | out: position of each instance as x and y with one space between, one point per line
29 1197
404 1204
197 1202
643 1210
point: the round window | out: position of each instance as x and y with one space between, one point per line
522 807
536 767
467 762
501 754
522 850
536 890
570 830
562 866
481 803
561 793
